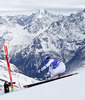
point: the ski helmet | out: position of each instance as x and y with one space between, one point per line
46 59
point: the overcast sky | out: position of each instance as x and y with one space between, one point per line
19 5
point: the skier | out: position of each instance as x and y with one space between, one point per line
55 67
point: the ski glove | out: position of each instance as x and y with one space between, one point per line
39 71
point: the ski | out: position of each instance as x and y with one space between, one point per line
49 80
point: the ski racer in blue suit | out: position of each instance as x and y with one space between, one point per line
55 67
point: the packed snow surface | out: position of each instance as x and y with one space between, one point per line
70 88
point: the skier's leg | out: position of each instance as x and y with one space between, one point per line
60 69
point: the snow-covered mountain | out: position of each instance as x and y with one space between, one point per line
30 38
70 88
78 61
17 76
19 31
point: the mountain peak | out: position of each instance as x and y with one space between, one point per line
41 13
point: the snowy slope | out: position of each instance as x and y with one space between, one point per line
17 76
78 60
70 88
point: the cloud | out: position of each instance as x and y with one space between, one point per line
37 4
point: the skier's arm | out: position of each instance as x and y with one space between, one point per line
47 65
40 70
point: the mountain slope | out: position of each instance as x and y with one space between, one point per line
78 60
71 88
30 38
17 76
61 39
